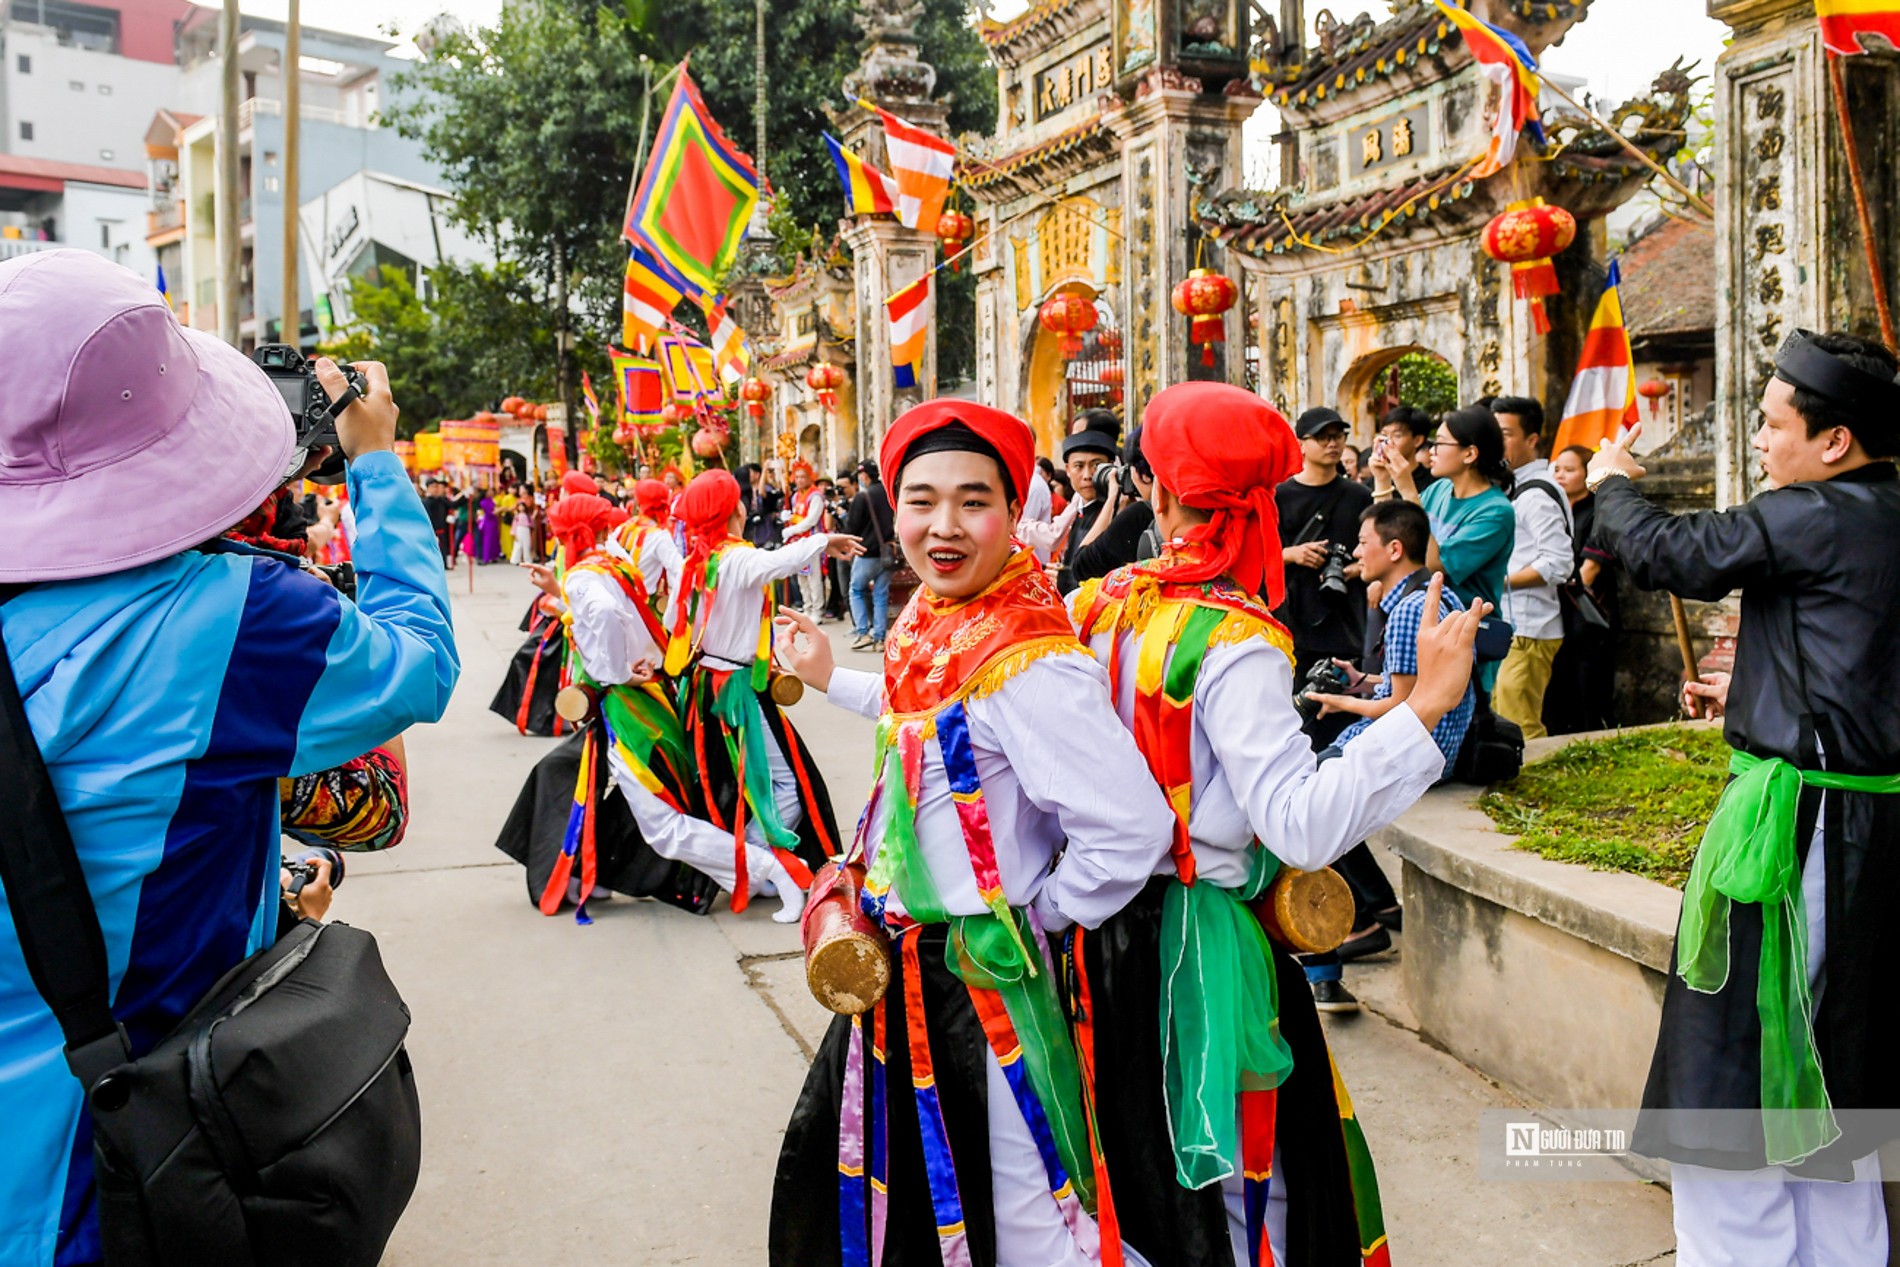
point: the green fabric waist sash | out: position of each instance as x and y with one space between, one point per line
1748 855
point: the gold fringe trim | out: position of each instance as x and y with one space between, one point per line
994 674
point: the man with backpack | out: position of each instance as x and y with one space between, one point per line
869 519
1541 561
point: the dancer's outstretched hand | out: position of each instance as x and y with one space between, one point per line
1444 655
804 648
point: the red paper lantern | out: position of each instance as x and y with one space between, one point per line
1525 235
1654 390
1202 296
1070 316
709 442
755 392
825 379
626 435
510 404
955 229
540 413
1114 377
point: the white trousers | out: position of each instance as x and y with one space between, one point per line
811 588
1765 1218
518 548
683 838
1029 1227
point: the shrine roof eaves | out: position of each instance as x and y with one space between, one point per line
1061 144
1043 13
1261 225
1385 49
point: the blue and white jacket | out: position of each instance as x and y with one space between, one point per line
167 700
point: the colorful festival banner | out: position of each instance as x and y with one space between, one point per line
688 365
647 302
642 393
1843 22
1504 60
589 399
867 191
921 163
909 311
730 354
1602 400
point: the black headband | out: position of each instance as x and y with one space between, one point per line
958 437
1804 365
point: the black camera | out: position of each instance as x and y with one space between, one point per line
342 576
312 411
1324 678
1112 474
303 868
1332 575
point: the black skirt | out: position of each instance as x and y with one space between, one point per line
718 793
548 653
625 863
1170 1225
805 1217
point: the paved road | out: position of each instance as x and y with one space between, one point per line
615 1094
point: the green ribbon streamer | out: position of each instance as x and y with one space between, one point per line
986 955
1748 855
899 866
642 723
737 706
1220 1018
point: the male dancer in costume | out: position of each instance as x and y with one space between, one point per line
1778 1021
947 1124
539 669
1189 1018
574 840
646 540
804 516
760 785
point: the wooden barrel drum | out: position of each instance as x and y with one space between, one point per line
1307 912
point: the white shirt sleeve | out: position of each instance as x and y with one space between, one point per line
1037 502
756 567
815 511
1544 541
608 637
1042 536
858 692
1078 762
660 559
1306 811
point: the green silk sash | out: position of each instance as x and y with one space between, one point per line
736 705
1748 855
1220 1018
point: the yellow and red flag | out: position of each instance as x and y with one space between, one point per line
1505 60
1843 22
867 191
647 301
1602 401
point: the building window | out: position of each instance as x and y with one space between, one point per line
25 64
105 90
74 25
26 130
107 155
270 184
75 85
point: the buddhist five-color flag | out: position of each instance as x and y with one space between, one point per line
647 301
921 163
695 198
1843 22
729 353
1504 60
909 311
867 191
642 394
1602 398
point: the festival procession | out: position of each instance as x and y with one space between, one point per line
1143 633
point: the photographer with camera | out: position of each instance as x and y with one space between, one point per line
1093 444
1325 607
1124 531
152 693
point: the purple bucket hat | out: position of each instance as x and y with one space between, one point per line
110 407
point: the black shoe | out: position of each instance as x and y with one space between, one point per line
1333 996
1392 917
1363 942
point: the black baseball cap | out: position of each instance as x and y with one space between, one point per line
1316 420
1091 442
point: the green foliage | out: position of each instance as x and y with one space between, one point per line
1637 802
1427 383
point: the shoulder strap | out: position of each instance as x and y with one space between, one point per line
52 908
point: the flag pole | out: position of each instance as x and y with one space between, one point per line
1838 79
1635 152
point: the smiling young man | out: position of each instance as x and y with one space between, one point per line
1803 851
947 1124
1226 1134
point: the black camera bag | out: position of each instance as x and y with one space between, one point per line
276 1126
1493 750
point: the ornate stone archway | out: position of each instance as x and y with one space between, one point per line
1363 383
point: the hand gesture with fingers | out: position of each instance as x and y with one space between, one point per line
843 546
804 648
1613 458
369 423
1707 696
1444 654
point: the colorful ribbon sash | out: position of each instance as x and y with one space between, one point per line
1748 855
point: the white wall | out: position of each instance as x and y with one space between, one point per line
80 124
110 221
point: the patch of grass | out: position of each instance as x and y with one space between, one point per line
1635 802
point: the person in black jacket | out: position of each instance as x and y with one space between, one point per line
1803 852
1094 443
869 519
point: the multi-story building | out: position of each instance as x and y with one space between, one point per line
344 81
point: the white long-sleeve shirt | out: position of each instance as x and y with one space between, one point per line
814 513
1041 535
660 563
608 633
1544 526
1255 773
1037 502
730 638
1056 765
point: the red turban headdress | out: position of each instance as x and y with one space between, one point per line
1008 435
579 482
655 500
706 506
579 521
1222 449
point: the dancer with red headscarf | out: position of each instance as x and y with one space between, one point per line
1210 1073
759 785
646 541
804 515
948 1122
574 839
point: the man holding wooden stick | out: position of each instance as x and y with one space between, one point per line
1776 1034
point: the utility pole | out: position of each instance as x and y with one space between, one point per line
291 327
230 250
758 92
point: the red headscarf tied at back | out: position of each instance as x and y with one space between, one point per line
655 500
1009 436
1223 450
706 508
579 521
579 482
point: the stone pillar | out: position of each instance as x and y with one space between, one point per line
1178 143
1789 251
886 257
